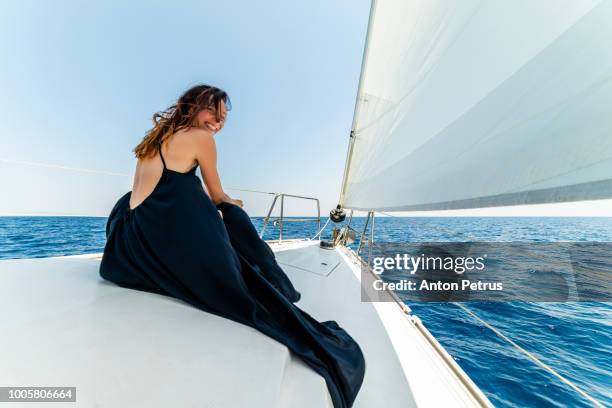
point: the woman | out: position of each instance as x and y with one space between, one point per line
168 236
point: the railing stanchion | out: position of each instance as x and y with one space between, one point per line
365 229
280 237
263 228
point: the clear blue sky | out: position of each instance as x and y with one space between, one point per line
80 81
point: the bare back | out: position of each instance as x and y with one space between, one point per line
179 153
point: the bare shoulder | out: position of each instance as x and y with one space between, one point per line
196 140
198 137
202 144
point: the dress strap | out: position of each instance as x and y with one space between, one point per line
160 155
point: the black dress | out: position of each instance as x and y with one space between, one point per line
175 243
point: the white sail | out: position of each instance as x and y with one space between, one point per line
466 104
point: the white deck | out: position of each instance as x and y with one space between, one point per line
62 325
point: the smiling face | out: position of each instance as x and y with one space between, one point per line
209 118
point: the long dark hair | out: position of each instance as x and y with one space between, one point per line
181 115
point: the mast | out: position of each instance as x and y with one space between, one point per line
352 135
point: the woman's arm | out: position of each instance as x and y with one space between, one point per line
206 155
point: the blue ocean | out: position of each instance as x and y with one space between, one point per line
575 339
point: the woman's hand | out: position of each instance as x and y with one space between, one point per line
238 202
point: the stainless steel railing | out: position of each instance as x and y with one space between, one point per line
282 219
